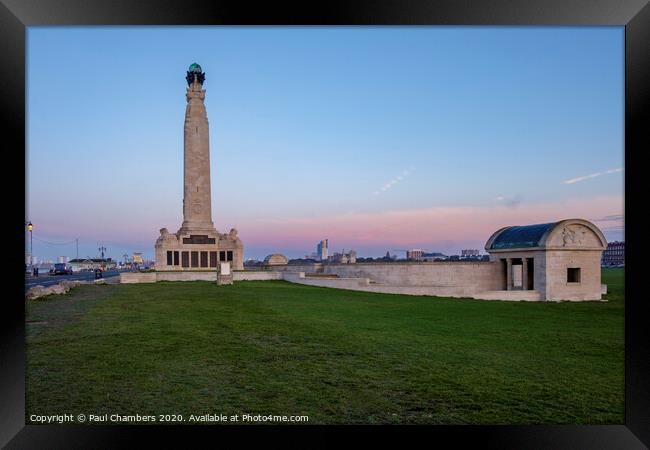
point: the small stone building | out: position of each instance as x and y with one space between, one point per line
560 260
276 259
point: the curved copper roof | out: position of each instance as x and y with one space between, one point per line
521 236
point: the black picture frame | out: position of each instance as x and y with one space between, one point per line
634 15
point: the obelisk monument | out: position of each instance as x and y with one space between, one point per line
197 209
197 245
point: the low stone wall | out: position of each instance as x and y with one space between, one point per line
479 280
307 268
187 276
337 283
460 278
256 276
365 285
152 277
435 291
447 278
137 277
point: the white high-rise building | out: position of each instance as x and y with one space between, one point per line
321 250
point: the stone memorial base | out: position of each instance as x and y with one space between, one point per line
189 251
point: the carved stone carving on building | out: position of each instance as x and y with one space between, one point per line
198 239
166 236
568 236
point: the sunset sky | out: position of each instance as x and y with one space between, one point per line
377 138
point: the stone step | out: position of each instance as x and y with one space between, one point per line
516 295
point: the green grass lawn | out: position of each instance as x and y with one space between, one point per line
338 356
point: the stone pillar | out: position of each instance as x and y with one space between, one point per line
508 274
197 205
524 274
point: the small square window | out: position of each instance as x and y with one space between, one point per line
573 275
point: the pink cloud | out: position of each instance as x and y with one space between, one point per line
438 228
431 226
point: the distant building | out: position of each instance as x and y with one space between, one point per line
429 257
92 264
349 257
421 255
63 259
301 261
321 250
369 259
387 258
614 254
414 255
469 252
250 262
137 258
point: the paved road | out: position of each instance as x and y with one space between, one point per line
48 280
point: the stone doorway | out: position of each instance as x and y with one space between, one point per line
517 274
530 262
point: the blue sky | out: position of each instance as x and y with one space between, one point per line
344 133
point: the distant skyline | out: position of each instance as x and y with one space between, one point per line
376 138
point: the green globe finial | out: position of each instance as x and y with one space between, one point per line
195 73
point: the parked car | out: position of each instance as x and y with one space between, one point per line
62 269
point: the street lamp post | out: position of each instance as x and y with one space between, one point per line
102 249
31 244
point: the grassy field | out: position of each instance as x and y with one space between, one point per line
337 356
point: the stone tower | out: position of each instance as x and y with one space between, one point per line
197 209
197 245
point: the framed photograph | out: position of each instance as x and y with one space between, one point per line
389 219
